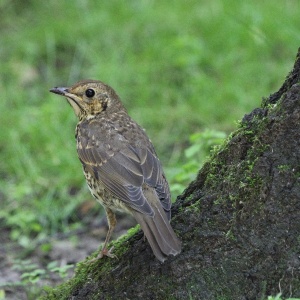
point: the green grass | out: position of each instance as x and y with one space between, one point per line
180 67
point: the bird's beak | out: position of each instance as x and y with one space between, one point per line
59 90
74 100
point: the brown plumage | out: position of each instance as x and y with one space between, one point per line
120 165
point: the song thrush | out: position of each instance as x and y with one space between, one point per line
121 167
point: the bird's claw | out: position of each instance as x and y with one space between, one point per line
106 252
103 252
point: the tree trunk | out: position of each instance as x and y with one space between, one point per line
239 222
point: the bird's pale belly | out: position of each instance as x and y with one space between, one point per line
103 196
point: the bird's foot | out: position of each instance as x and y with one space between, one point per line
103 252
106 252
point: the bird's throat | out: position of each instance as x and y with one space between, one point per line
76 107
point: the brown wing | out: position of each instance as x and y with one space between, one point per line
123 169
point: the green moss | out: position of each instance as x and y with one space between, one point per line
195 207
229 235
121 245
241 169
284 168
189 198
97 268
211 277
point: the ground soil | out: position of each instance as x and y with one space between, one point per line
66 249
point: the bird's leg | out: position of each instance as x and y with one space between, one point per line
112 221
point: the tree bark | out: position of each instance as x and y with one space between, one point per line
239 221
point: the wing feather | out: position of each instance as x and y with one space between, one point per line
124 169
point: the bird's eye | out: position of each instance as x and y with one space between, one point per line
90 93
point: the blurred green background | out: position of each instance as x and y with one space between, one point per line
187 71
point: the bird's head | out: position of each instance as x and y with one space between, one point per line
90 97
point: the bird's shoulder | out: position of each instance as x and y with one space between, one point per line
117 130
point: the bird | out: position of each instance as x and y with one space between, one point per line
120 165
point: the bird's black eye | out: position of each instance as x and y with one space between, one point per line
90 93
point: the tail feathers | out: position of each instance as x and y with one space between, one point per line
159 232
